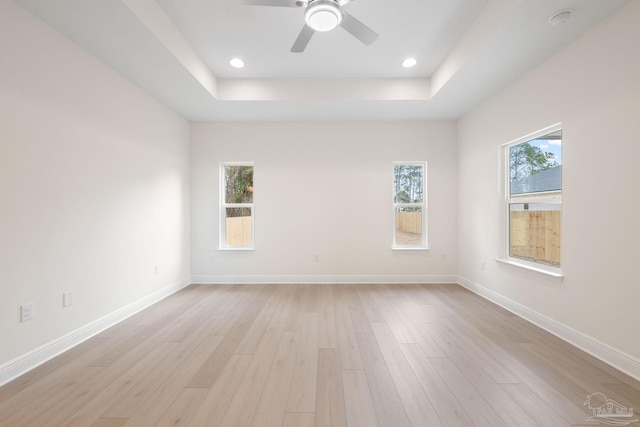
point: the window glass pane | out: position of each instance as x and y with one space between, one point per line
408 226
535 232
238 226
407 183
536 166
238 184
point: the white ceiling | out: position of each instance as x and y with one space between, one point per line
179 52
263 36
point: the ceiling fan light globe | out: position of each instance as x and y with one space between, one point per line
323 20
323 15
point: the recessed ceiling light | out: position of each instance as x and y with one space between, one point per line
409 62
236 63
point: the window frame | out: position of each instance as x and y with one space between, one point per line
553 197
424 244
224 206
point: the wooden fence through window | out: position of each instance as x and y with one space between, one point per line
409 222
535 235
238 231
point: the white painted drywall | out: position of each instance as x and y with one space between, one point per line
323 189
593 88
94 187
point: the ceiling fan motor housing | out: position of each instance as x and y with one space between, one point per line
323 15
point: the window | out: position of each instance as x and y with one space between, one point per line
533 199
409 205
236 217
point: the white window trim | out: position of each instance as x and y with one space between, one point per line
223 215
552 197
424 246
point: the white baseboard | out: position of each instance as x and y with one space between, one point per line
321 279
620 360
22 364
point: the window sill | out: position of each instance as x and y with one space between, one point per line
409 248
547 274
238 248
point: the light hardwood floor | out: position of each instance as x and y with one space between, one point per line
317 355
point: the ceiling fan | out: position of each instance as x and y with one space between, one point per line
322 15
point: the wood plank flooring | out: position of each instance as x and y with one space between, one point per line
317 355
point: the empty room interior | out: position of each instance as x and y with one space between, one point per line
319 213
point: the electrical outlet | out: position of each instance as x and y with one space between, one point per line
316 258
67 299
157 270
26 312
483 265
443 258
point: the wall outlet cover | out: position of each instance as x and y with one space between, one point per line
67 299
26 312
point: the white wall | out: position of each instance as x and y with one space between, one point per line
593 88
94 178
323 189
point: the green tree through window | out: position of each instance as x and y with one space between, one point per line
526 159
238 188
409 205
237 219
408 183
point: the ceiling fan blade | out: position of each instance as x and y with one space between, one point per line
277 3
303 39
360 31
